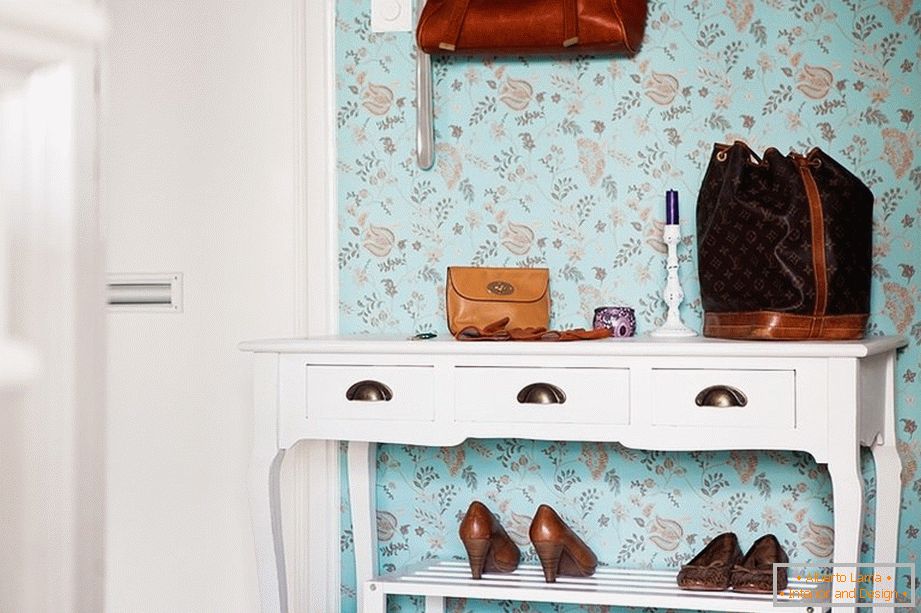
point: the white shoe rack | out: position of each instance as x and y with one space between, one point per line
443 579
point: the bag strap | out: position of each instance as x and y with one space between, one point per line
455 22
570 23
459 12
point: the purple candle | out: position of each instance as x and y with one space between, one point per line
671 207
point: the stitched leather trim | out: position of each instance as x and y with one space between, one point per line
570 23
817 222
773 325
620 20
455 23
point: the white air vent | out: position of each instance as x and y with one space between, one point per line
145 293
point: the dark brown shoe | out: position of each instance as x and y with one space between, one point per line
488 546
560 550
755 572
711 569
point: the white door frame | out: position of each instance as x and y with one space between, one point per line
310 488
52 429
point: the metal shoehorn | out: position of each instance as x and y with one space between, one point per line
425 134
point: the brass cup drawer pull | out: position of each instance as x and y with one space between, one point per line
541 393
369 391
721 396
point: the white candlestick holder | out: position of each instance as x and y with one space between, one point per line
672 294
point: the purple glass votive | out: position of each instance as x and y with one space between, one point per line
619 320
671 207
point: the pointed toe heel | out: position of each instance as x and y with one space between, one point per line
477 550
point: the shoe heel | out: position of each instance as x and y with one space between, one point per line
549 554
476 554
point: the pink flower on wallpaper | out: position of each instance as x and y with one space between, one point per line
387 525
449 164
595 458
665 533
740 12
745 463
517 528
654 235
516 94
815 81
379 240
898 8
591 160
377 99
899 306
897 151
517 238
819 539
908 453
661 88
454 458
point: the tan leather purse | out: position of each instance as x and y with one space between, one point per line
481 296
531 27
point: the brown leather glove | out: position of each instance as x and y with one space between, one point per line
497 331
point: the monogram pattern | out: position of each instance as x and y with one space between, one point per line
755 241
564 163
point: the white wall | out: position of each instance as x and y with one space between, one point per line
197 177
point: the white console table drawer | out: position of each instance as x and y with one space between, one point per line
768 398
592 395
410 390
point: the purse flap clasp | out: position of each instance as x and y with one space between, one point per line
504 284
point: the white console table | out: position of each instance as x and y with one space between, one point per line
826 398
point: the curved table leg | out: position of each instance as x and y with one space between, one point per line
847 485
844 468
888 487
265 512
263 483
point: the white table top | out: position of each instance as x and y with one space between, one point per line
634 346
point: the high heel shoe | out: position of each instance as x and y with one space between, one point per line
711 569
561 551
755 573
488 546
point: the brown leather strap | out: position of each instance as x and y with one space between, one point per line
819 266
774 325
455 23
570 23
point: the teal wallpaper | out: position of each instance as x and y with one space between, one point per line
564 163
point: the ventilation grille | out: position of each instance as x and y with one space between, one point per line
144 292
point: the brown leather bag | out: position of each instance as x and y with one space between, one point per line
783 246
477 297
530 27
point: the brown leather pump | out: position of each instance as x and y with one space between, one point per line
488 546
755 573
711 569
561 551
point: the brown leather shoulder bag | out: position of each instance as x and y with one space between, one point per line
531 27
784 246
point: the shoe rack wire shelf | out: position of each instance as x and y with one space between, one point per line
824 398
608 586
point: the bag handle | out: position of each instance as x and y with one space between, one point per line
455 22
570 23
459 12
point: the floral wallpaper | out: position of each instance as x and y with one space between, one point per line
564 163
